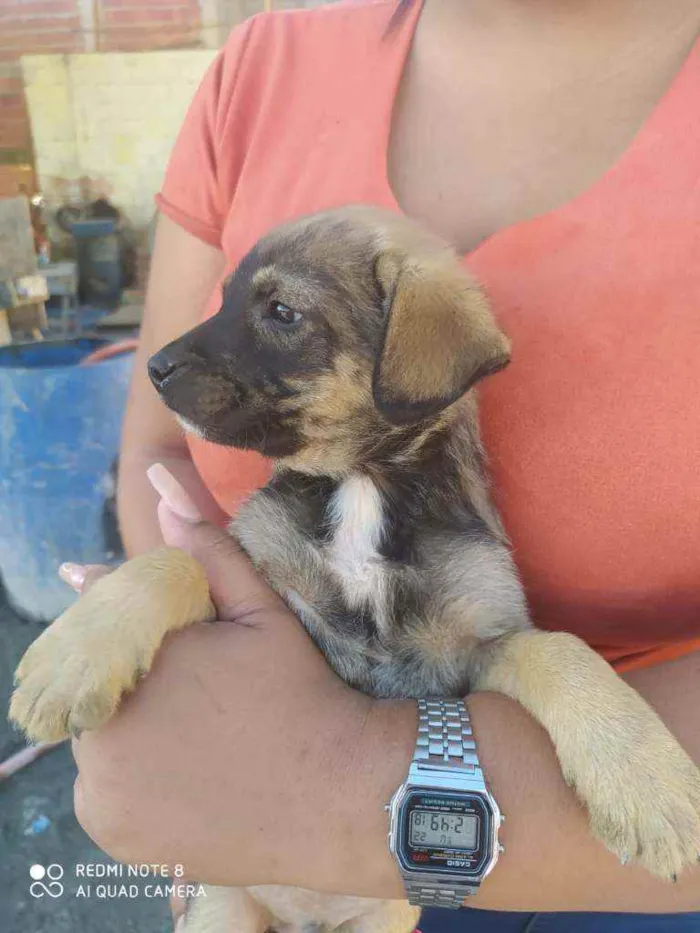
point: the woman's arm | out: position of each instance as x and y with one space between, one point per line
184 273
243 757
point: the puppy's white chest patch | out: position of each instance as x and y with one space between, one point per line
358 519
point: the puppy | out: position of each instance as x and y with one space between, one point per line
346 349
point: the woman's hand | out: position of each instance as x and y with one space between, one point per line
236 755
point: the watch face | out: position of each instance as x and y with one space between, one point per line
445 832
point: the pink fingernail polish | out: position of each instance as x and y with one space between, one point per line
73 575
172 493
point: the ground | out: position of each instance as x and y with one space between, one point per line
37 827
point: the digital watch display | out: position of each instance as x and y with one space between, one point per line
444 832
453 830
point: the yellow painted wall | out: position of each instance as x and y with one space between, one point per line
104 124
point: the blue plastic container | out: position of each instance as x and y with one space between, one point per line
59 436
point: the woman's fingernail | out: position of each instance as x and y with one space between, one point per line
172 493
73 575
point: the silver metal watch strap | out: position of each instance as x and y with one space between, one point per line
445 737
445 744
437 895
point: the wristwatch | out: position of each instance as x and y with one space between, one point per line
444 823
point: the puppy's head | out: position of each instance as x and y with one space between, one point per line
334 331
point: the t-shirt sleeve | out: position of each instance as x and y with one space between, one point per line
192 193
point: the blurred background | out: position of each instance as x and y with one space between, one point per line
92 94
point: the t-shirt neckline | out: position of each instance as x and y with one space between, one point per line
650 126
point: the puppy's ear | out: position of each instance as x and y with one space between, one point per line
440 338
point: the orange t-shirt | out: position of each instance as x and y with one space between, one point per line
593 432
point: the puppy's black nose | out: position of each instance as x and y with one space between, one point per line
161 367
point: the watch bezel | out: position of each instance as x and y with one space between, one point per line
399 808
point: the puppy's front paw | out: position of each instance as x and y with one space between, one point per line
74 675
69 681
647 810
641 789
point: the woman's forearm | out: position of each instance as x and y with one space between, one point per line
137 504
243 757
184 272
551 861
287 771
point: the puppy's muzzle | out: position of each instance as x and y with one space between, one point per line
163 369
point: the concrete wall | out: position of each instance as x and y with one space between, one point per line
56 26
29 27
104 124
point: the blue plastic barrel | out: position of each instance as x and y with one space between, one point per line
59 436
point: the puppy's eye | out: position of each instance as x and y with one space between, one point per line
282 314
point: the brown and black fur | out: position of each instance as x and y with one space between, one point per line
378 530
369 386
